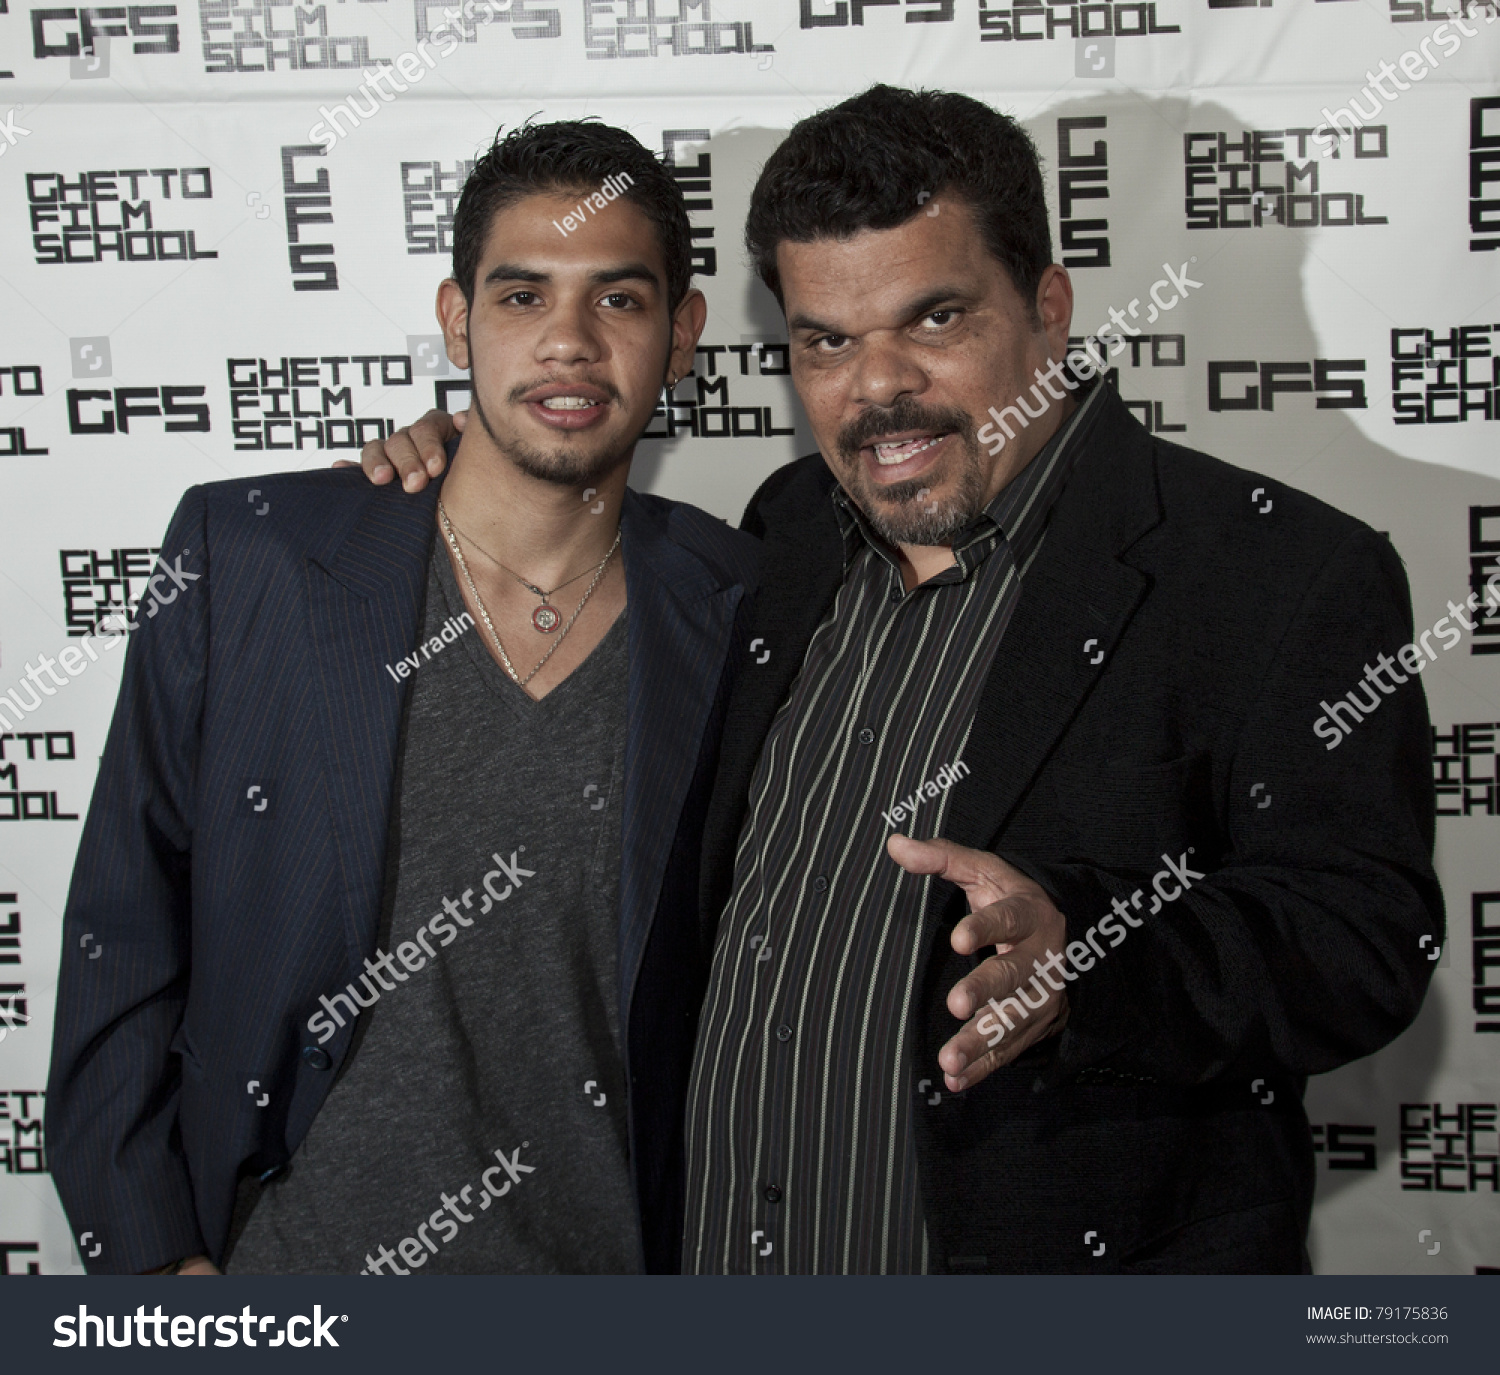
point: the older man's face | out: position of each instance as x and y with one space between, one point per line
901 341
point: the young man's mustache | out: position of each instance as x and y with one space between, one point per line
518 395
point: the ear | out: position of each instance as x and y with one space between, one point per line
688 321
453 316
1054 304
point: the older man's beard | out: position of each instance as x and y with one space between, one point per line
906 512
563 467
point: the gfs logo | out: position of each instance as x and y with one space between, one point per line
73 32
110 410
840 14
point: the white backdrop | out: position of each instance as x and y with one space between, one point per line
195 286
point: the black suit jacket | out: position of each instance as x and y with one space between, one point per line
1217 630
217 922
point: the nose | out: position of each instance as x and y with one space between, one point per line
885 370
569 335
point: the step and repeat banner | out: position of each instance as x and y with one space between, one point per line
223 223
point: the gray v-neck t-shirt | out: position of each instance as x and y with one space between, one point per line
480 1125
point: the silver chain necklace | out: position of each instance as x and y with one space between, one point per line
458 553
546 618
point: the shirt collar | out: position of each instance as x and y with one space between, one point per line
1018 514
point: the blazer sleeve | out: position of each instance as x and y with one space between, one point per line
112 1094
1301 947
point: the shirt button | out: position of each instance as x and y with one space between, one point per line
783 1032
867 736
316 1057
773 1193
820 884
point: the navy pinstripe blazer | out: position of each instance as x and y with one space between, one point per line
218 916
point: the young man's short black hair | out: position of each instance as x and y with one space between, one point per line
864 164
574 157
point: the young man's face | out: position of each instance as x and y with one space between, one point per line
901 341
569 337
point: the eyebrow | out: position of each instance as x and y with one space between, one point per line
923 305
626 272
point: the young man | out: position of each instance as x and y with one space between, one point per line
393 874
1021 646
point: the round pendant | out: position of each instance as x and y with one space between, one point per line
546 618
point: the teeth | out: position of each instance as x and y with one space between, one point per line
888 454
567 403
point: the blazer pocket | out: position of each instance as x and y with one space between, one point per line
1125 814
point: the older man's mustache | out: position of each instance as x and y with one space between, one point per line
905 416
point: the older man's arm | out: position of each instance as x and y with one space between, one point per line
414 453
1307 944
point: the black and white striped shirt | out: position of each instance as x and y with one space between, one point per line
800 1148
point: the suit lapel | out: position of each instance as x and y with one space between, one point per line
1040 677
1076 600
364 599
679 629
